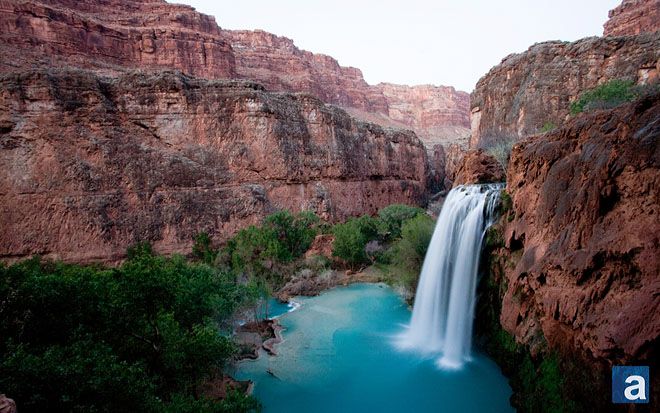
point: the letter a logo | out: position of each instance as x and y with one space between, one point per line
630 384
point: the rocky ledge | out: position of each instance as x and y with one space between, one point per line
478 167
533 90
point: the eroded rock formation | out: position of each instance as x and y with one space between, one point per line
111 35
583 239
92 164
438 114
478 167
530 90
633 17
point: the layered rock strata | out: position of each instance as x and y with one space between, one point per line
534 89
92 164
584 235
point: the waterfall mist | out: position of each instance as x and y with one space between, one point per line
443 312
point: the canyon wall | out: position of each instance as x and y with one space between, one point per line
581 242
111 35
438 114
633 17
535 88
92 164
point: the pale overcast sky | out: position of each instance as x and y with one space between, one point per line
443 42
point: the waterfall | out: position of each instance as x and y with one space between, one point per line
444 304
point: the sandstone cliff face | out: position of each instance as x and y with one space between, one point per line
584 235
517 97
281 66
93 164
112 35
438 114
633 17
478 167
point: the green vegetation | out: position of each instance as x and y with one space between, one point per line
407 253
146 336
202 248
609 95
548 126
262 252
140 337
395 215
351 239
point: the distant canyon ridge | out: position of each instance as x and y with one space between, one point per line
111 36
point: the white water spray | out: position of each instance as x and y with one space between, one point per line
444 305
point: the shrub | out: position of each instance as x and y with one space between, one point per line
393 217
406 255
548 126
281 238
132 338
202 248
352 237
501 150
609 95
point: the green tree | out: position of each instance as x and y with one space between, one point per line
132 338
406 255
394 215
203 249
352 237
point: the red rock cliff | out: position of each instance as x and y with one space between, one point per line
585 236
438 114
110 35
633 17
91 164
527 90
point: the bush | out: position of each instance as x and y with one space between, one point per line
393 217
501 151
548 126
132 338
406 255
609 95
281 238
202 248
352 237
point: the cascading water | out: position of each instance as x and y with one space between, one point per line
444 305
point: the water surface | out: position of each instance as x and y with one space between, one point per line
338 355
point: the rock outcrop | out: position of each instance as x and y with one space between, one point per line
438 114
276 62
112 35
7 405
633 17
583 239
92 164
531 89
478 167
